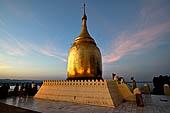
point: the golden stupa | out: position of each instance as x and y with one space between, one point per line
84 59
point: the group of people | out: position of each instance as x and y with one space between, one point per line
136 91
27 89
4 90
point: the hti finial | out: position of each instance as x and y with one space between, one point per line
84 12
84 7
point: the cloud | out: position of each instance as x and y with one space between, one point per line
10 49
11 46
137 40
146 33
48 52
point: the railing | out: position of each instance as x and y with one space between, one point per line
74 82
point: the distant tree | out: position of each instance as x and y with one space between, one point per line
159 82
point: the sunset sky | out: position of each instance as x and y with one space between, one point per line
36 35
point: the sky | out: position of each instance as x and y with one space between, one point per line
36 35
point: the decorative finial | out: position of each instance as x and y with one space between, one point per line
84 12
84 7
84 31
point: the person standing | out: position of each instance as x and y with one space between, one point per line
16 90
134 83
26 89
21 90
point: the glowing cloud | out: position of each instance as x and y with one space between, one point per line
137 40
146 33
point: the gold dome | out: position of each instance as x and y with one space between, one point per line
84 59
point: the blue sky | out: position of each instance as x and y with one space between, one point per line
36 35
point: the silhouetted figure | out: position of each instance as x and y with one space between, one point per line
32 85
3 91
29 90
16 90
7 88
113 75
134 83
21 93
34 89
26 89
0 91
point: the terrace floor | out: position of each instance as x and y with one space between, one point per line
152 104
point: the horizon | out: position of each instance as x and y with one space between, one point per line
70 80
133 37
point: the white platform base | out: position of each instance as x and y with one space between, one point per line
102 93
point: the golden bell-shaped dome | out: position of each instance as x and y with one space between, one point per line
84 59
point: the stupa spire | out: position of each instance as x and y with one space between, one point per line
84 12
84 31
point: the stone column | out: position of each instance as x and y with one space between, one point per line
146 89
166 90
